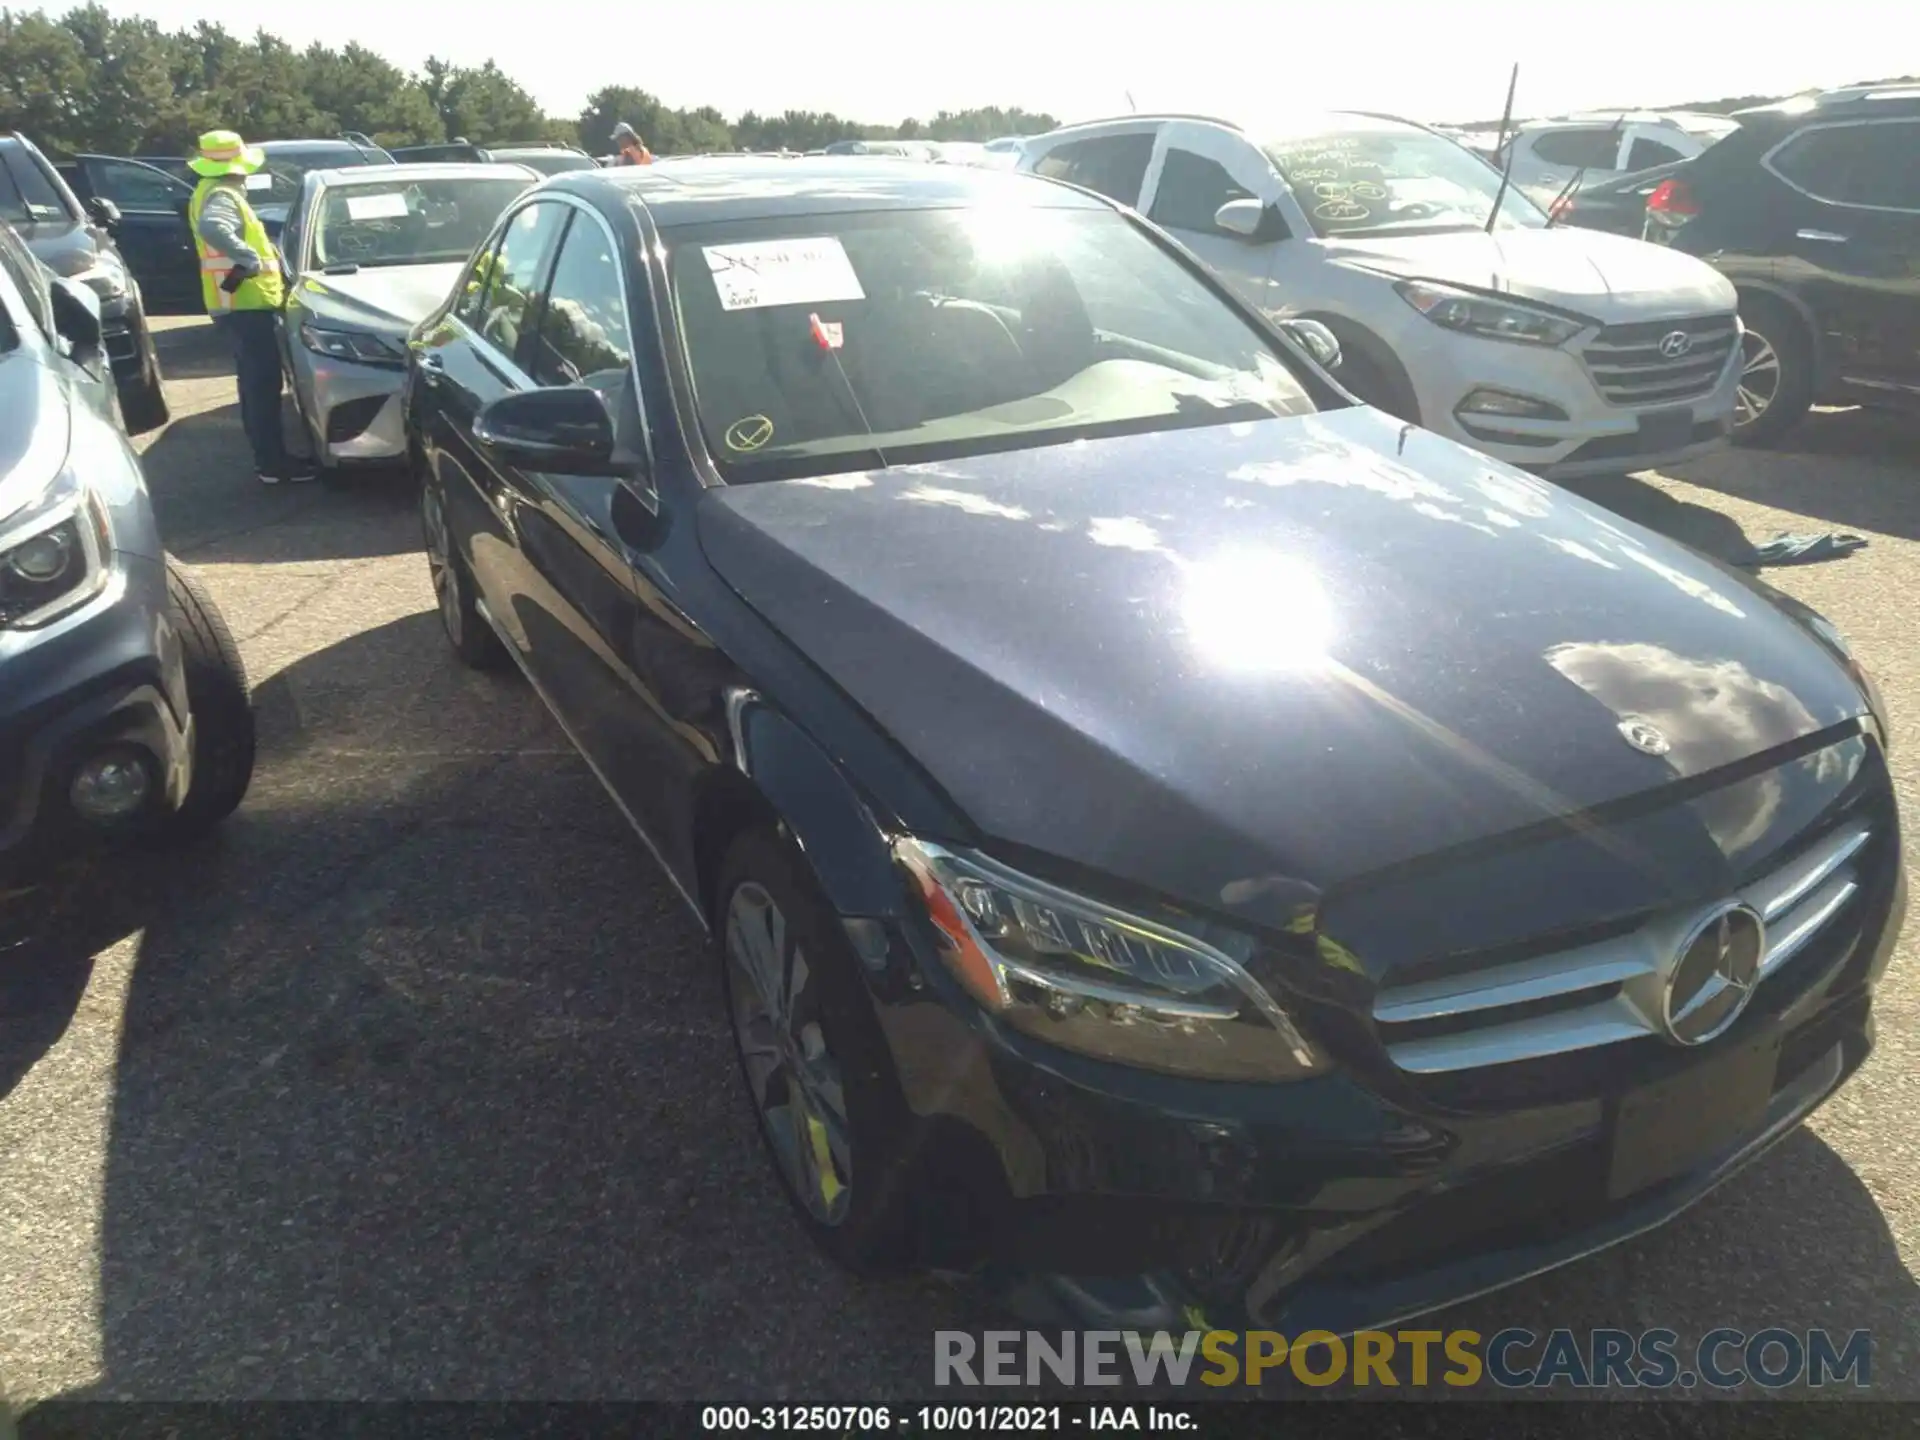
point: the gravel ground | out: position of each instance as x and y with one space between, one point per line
415 1085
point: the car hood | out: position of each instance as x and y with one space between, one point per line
1242 663
35 438
65 247
386 297
1608 277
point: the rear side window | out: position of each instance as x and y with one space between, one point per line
1114 165
136 187
1646 154
517 273
1595 149
1192 189
1875 165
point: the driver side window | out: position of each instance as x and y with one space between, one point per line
515 273
1191 190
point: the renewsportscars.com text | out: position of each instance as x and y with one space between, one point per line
1511 1359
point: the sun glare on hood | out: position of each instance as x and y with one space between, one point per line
1257 612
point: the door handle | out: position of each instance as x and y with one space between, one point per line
1826 236
432 367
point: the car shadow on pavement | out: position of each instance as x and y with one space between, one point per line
192 351
213 511
424 1086
1870 488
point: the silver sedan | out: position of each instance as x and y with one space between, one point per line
368 252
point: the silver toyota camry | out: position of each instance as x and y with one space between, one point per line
368 252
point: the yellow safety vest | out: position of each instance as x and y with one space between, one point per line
261 291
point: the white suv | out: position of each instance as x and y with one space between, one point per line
1549 154
1566 352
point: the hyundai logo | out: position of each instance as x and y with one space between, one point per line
1675 343
1712 975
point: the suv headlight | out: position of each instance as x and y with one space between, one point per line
1490 319
355 345
53 556
1172 994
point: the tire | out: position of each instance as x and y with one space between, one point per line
1371 382
467 631
143 402
1776 343
222 705
858 1205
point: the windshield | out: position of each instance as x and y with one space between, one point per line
26 195
1399 180
825 343
408 222
547 162
279 182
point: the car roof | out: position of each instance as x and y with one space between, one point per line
1860 102
1274 127
706 189
421 170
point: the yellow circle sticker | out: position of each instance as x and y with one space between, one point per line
749 433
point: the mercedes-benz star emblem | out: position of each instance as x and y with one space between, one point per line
1644 736
1675 343
1713 974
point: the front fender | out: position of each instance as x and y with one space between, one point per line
846 846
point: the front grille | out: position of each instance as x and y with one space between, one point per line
349 420
1610 989
1629 369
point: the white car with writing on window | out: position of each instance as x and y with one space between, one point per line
1562 351
369 251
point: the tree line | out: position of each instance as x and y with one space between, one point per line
91 82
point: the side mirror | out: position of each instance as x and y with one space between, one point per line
1317 340
104 212
565 429
76 316
1252 220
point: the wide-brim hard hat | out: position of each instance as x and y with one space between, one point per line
222 152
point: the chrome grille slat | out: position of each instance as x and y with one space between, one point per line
1626 366
1477 1008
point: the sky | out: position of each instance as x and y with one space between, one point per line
881 60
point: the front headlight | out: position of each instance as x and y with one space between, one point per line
355 345
1471 314
1172 995
106 277
53 556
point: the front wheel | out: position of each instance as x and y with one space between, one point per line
1776 373
222 706
472 639
814 1060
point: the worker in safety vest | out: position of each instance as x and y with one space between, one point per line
242 286
633 150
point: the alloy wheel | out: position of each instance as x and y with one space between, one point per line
445 575
794 1078
1759 379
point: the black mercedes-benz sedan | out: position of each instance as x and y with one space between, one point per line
1168 828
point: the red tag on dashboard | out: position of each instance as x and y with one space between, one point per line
827 334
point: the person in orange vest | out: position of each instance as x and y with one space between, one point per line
633 150
241 284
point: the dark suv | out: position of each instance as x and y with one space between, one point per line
1812 209
76 241
124 709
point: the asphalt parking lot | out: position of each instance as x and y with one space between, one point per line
416 1084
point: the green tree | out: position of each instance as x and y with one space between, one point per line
482 105
360 91
42 71
128 86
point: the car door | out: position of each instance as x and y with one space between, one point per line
153 236
1854 254
469 360
1197 169
572 589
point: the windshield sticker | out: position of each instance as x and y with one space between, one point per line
390 206
260 180
749 433
755 275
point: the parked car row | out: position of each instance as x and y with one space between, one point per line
1044 681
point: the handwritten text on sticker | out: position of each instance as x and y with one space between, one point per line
760 273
